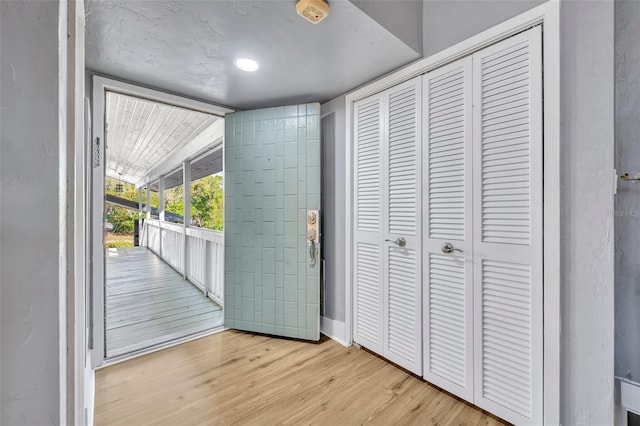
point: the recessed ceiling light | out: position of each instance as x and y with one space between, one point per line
247 64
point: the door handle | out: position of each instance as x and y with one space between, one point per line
449 248
400 242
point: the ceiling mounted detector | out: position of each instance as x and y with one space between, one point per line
313 11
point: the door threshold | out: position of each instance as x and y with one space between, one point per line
160 346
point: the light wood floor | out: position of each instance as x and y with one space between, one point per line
240 378
149 303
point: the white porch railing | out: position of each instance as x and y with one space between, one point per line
204 256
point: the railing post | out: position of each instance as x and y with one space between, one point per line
161 207
186 216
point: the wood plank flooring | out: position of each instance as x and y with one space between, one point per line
148 303
240 378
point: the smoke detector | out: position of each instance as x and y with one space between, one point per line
313 11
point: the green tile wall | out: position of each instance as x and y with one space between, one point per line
272 176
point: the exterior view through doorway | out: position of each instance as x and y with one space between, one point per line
157 242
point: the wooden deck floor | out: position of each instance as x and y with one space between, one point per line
148 303
240 378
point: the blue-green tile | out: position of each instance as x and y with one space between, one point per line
291 235
269 286
290 314
269 182
313 109
290 155
269 311
291 288
291 111
290 261
290 207
268 234
269 261
279 245
291 182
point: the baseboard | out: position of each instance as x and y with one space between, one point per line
90 393
333 329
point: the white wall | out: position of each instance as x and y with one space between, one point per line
587 121
32 209
447 22
404 22
627 208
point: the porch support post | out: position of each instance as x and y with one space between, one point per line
161 207
148 209
186 202
140 210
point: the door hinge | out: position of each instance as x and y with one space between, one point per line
96 153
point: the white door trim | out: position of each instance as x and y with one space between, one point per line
100 86
548 15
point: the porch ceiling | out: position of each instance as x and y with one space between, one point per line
141 134
204 166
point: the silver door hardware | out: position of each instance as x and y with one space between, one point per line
96 153
313 235
400 241
448 248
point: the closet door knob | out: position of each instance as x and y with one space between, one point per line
449 248
401 242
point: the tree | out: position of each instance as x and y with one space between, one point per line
207 198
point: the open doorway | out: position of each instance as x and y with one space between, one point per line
161 253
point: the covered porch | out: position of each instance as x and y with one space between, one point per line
149 303
169 287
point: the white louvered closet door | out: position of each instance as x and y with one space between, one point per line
507 175
402 234
368 224
447 218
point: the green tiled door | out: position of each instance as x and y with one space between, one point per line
272 180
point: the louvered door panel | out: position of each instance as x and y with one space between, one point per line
368 169
506 331
368 296
403 293
402 136
447 215
507 82
368 223
403 307
402 284
447 308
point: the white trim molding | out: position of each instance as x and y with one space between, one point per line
547 15
333 329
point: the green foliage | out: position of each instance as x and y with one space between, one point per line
121 218
207 197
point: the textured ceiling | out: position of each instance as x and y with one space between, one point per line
141 134
188 47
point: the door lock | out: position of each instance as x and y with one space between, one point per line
313 236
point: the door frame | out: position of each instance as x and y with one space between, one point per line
101 85
547 15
